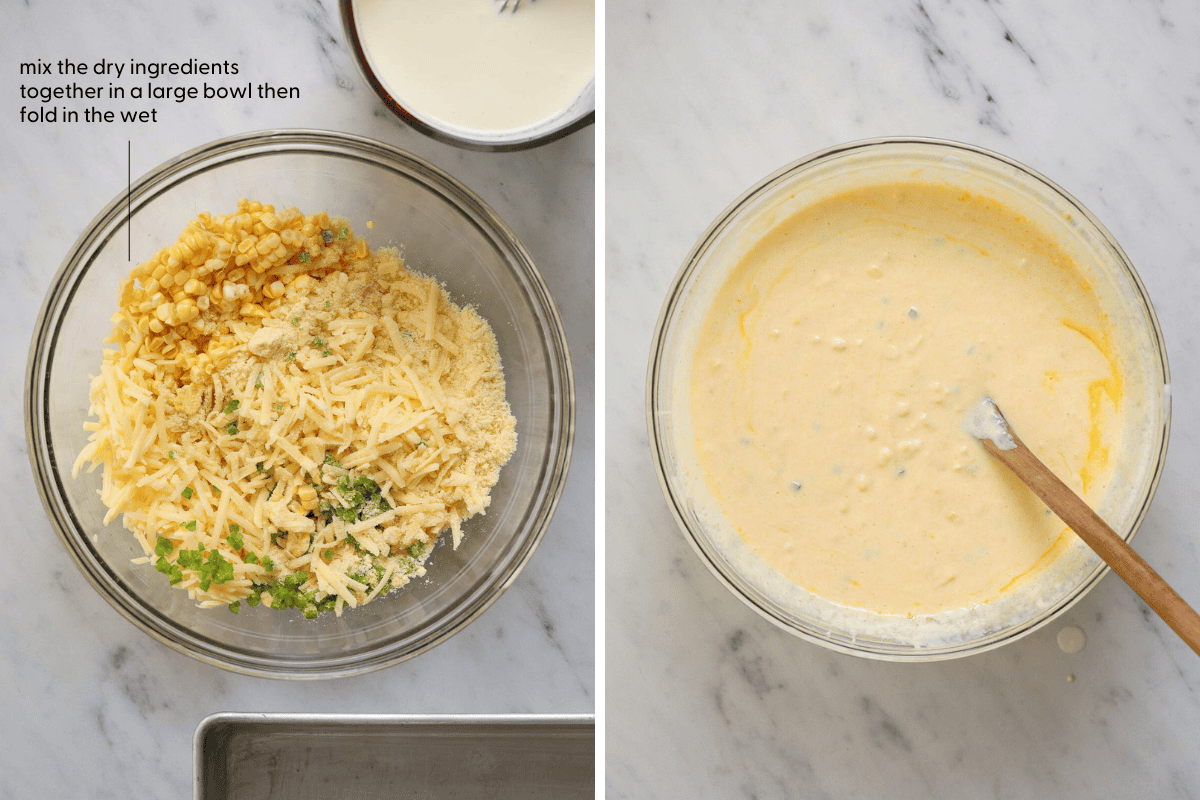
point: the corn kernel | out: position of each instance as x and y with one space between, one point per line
268 243
187 311
307 497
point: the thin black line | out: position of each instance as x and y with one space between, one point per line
129 199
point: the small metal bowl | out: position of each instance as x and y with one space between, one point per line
579 114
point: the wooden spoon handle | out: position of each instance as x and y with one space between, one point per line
1095 532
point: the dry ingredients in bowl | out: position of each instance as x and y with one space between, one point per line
291 419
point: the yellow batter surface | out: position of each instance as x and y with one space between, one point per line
836 369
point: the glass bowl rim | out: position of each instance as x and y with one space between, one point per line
256 144
656 368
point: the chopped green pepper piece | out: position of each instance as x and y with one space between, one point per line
235 606
163 547
233 406
215 570
235 537
231 429
192 559
187 493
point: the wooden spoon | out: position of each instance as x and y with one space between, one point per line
997 437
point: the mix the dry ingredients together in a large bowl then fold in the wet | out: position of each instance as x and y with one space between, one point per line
292 419
835 371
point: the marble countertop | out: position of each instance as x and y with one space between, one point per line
705 698
92 707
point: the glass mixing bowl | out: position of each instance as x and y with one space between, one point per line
443 230
739 228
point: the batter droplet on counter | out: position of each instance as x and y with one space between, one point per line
1071 639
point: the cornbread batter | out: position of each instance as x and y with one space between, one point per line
834 373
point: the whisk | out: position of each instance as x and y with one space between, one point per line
509 5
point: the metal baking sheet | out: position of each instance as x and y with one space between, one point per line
408 757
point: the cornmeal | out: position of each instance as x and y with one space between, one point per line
833 375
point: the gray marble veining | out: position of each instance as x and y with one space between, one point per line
704 698
92 707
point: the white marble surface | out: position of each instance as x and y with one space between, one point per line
89 705
704 698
